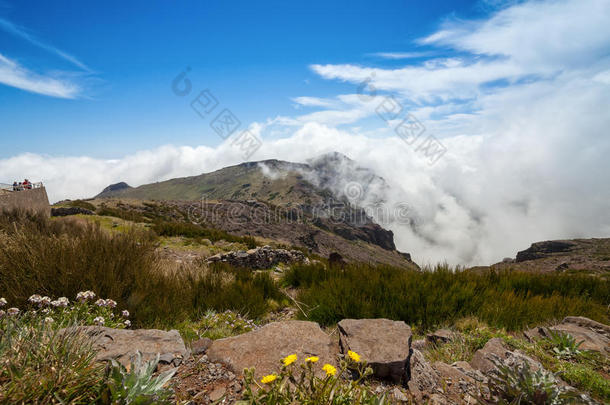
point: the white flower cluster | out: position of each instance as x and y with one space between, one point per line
39 300
85 296
12 311
105 303
99 320
61 302
3 302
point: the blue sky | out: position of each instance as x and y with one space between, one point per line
513 95
255 57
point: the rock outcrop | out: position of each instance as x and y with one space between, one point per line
540 250
122 344
264 348
385 344
259 258
592 335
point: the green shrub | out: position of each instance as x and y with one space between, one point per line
128 215
82 204
190 230
510 300
564 344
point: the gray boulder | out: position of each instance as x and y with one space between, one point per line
122 344
264 348
382 343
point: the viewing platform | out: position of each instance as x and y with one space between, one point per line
32 196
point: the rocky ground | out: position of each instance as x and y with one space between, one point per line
210 371
591 256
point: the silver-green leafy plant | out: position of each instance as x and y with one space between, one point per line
138 385
564 344
520 385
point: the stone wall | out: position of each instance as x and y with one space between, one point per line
35 199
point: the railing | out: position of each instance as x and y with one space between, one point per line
20 187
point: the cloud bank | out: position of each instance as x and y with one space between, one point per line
521 106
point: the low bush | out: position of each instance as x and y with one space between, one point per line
127 215
82 204
427 299
189 230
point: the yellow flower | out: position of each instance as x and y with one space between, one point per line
330 370
354 356
268 379
312 359
288 360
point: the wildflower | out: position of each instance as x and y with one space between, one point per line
3 302
45 310
330 370
101 302
268 379
110 303
125 313
99 320
35 299
60 302
12 311
48 319
312 359
85 296
127 323
45 301
2 313
288 360
354 356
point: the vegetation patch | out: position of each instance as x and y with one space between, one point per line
440 296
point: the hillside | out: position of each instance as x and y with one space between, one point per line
299 204
276 181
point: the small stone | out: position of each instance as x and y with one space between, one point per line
217 393
399 395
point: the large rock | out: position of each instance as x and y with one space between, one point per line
122 344
424 380
544 249
264 348
496 352
382 343
593 335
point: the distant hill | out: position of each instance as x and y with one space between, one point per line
275 181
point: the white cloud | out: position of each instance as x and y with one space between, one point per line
24 34
14 75
403 55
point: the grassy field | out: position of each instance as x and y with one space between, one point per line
439 296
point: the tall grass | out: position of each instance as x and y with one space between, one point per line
511 300
44 366
60 257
